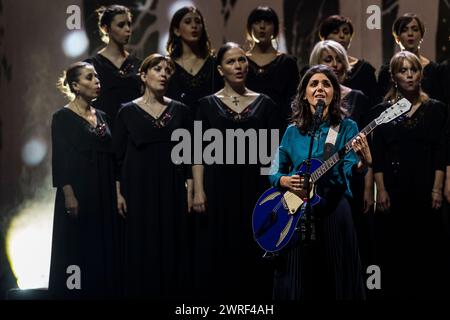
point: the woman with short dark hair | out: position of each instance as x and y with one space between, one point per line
270 71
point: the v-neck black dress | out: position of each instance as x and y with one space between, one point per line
83 157
279 80
230 264
188 88
156 253
408 152
118 85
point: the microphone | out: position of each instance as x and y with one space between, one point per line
319 111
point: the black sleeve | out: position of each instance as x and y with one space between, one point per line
294 80
444 81
384 81
364 111
120 141
438 132
201 117
370 86
378 143
61 168
188 124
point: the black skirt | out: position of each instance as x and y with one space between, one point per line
329 268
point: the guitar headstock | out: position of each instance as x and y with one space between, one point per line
394 111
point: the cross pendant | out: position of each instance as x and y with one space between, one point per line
235 101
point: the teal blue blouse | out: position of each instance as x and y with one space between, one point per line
294 148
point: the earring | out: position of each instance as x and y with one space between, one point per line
276 42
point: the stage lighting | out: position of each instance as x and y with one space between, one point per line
28 243
75 43
178 5
162 42
34 151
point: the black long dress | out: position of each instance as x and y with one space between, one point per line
154 189
230 264
279 80
444 79
362 77
356 106
118 85
188 88
430 80
408 152
83 158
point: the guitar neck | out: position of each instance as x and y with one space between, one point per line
331 161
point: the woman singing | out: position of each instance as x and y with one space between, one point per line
85 220
330 268
156 192
230 264
117 68
409 164
270 71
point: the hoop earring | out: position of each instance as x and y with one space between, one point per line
274 39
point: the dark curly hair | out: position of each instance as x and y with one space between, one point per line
174 47
302 116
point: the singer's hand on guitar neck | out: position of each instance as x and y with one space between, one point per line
361 148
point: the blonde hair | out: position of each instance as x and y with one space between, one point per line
394 67
336 47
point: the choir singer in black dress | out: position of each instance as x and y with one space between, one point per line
230 265
270 71
408 31
116 67
409 164
156 189
85 219
195 74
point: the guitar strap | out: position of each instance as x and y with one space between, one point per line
328 148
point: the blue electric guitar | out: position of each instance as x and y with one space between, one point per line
277 212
